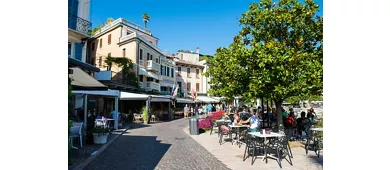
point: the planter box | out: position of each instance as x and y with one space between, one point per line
100 138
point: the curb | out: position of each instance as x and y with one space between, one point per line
87 161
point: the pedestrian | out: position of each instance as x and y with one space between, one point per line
196 110
186 111
209 108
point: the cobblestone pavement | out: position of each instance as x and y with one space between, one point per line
159 146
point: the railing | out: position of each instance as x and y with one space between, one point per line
135 26
152 86
141 85
153 66
78 24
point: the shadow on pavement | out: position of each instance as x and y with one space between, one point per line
317 160
131 152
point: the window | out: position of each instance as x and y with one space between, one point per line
149 79
181 56
168 71
172 71
179 87
188 72
141 78
93 46
101 42
100 61
188 86
69 49
140 56
161 69
109 39
156 60
178 71
151 57
109 54
197 87
197 73
147 56
124 52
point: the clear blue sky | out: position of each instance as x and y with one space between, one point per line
181 24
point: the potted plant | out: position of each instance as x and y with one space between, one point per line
100 135
145 115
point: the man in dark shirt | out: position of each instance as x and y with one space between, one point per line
302 122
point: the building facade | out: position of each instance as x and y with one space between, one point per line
190 72
122 38
78 28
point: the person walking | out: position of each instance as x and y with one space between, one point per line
186 111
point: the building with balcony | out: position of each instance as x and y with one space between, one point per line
78 28
190 72
168 73
122 38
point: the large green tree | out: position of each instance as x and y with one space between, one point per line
277 54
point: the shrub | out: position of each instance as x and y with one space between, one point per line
204 124
217 115
145 114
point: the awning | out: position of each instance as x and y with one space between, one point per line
113 93
142 71
167 84
72 61
156 98
132 96
184 100
207 99
82 81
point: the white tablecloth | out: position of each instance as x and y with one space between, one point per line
272 134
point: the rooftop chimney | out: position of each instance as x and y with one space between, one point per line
197 50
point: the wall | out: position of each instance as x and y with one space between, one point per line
191 57
193 80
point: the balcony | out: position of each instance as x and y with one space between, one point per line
141 85
79 25
152 86
153 66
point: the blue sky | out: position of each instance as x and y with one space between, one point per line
181 24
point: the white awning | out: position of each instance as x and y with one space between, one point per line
133 96
184 100
113 93
155 76
142 71
160 100
167 84
207 99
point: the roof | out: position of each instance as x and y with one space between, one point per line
74 62
187 51
183 62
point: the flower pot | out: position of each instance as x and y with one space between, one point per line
100 138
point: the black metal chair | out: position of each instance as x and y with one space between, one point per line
252 144
282 148
229 133
313 142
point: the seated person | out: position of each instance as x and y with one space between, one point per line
254 123
310 116
236 119
302 122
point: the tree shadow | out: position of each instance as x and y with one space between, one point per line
317 160
131 152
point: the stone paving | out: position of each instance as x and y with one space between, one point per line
231 155
157 146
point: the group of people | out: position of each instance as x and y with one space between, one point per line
203 109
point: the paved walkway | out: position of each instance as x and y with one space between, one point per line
231 155
157 146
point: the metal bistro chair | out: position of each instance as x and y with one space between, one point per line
252 144
313 142
228 133
76 132
282 148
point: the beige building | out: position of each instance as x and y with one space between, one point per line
190 72
122 38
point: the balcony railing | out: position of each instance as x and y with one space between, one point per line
153 66
152 86
78 24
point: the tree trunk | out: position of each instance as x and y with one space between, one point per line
278 110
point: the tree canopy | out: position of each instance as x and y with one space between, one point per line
276 55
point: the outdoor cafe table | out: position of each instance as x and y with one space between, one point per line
238 130
104 122
265 136
222 120
316 129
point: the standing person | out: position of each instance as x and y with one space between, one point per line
205 109
210 108
196 110
213 109
186 111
